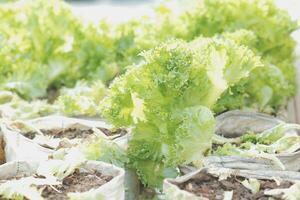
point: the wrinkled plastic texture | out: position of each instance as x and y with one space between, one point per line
114 189
17 169
18 148
236 123
173 192
61 122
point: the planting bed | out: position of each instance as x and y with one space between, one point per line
254 141
210 187
76 182
31 180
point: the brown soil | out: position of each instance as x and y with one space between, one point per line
76 182
2 152
73 133
210 187
119 131
146 193
52 94
63 133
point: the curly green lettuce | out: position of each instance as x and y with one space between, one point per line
268 88
137 35
166 101
43 45
82 100
257 24
103 149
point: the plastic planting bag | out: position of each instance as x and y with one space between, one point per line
16 144
114 189
224 183
17 169
30 184
63 132
61 122
235 124
19 148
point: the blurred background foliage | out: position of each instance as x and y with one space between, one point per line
49 45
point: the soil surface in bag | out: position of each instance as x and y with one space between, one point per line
73 133
2 153
76 182
210 187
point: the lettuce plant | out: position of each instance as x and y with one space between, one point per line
83 99
258 24
43 45
267 88
106 150
166 101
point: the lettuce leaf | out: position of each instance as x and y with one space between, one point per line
166 101
83 99
43 45
264 28
103 149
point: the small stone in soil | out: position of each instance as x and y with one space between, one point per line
210 187
76 182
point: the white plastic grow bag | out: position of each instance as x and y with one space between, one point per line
17 144
18 148
17 169
114 189
59 123
236 123
173 192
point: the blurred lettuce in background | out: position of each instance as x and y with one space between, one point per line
82 100
258 24
44 47
269 87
